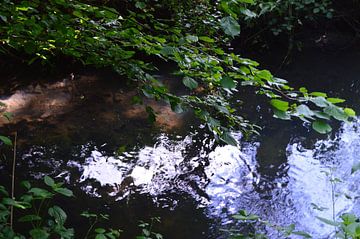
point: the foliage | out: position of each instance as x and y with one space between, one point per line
44 219
147 229
32 206
100 233
95 34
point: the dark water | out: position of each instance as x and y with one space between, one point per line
185 178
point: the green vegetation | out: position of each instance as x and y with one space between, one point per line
129 35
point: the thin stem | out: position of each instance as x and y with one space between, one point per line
91 227
13 183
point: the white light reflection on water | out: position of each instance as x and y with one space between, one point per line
228 178
311 171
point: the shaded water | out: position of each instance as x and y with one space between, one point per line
184 177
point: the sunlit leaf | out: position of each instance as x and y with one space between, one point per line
321 127
280 104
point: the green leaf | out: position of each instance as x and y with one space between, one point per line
304 111
355 167
26 184
228 138
151 114
100 236
18 204
6 140
100 230
227 82
190 83
336 112
264 74
335 100
41 193
49 181
246 1
168 51
350 112
320 101
281 115
39 234
140 5
206 39
29 218
58 214
192 38
303 90
322 115
248 13
230 26
321 127
327 221
280 104
64 191
320 94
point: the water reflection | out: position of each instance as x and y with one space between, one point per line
221 179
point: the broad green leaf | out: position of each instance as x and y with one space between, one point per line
100 230
322 115
100 236
49 181
41 193
39 234
64 191
281 115
320 94
304 111
336 112
230 26
335 100
321 127
350 112
303 90
58 214
5 140
227 82
327 221
264 74
190 83
280 104
320 101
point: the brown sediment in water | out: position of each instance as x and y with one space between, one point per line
89 97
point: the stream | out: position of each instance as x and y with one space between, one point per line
87 135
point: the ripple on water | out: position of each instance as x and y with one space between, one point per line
222 179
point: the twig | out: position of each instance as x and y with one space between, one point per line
13 183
